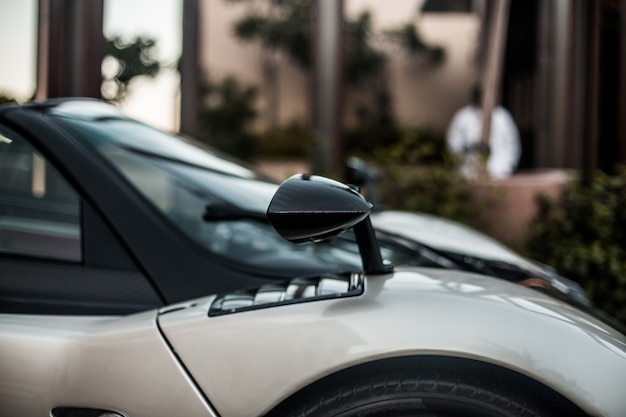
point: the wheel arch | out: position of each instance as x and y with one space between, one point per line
507 380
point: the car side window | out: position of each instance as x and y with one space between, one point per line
39 210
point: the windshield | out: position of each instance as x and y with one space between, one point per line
184 181
216 202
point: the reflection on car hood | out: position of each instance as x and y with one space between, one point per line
412 312
445 235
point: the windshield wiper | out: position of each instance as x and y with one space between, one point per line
224 212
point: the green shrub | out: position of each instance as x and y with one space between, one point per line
418 174
434 189
295 140
583 236
389 144
5 99
227 114
366 141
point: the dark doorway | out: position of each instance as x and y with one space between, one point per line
520 66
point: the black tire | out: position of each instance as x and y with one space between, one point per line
407 393
423 397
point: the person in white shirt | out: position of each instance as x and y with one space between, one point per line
463 139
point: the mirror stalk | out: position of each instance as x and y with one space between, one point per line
371 257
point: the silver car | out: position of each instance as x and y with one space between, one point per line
139 277
381 342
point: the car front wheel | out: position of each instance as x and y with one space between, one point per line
405 393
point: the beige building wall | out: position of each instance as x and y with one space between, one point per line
427 95
423 95
224 55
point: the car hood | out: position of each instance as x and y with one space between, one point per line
412 312
445 235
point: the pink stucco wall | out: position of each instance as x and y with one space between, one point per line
513 206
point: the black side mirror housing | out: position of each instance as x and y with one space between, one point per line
310 208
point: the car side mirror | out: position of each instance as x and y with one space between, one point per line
310 208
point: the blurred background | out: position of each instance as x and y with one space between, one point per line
409 65
295 85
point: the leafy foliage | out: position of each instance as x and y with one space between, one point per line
133 59
293 140
227 113
417 174
363 59
434 189
390 144
365 72
5 99
584 237
409 39
285 27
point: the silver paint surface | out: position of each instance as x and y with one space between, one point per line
248 362
114 363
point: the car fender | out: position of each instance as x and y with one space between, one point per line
248 362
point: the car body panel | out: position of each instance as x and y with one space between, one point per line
247 362
446 235
120 364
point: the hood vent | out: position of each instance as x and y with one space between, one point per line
298 290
